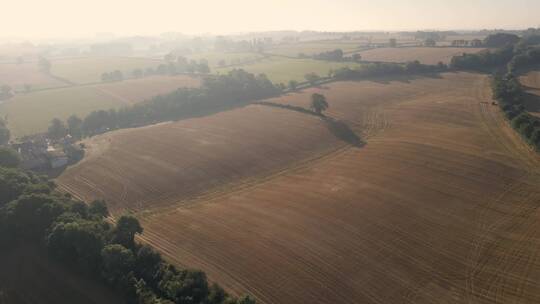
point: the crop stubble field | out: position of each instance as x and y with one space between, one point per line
439 206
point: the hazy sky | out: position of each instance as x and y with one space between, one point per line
71 18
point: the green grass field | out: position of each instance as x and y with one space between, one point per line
31 113
282 70
89 69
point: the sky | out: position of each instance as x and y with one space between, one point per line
84 18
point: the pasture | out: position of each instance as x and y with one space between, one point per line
440 204
282 70
423 54
85 70
31 113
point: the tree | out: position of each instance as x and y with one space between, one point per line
44 65
357 57
318 103
5 135
476 43
137 73
74 126
312 78
293 84
392 42
118 261
5 91
169 57
147 265
57 129
246 300
126 228
430 42
501 40
27 87
9 158
98 208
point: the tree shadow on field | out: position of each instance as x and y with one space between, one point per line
338 128
342 131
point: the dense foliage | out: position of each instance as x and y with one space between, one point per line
500 40
79 236
384 69
482 60
9 158
335 55
5 134
508 91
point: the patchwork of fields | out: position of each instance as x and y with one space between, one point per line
441 204
282 70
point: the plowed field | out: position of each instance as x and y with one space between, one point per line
440 206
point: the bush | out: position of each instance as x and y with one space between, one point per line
9 158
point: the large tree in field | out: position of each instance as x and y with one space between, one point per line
318 103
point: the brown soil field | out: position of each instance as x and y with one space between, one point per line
29 277
531 83
165 164
137 90
17 75
423 54
440 206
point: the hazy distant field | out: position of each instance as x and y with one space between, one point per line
423 54
228 57
282 70
311 48
18 75
89 69
31 113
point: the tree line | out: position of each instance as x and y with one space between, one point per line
514 53
216 93
510 49
384 69
173 66
510 94
78 235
